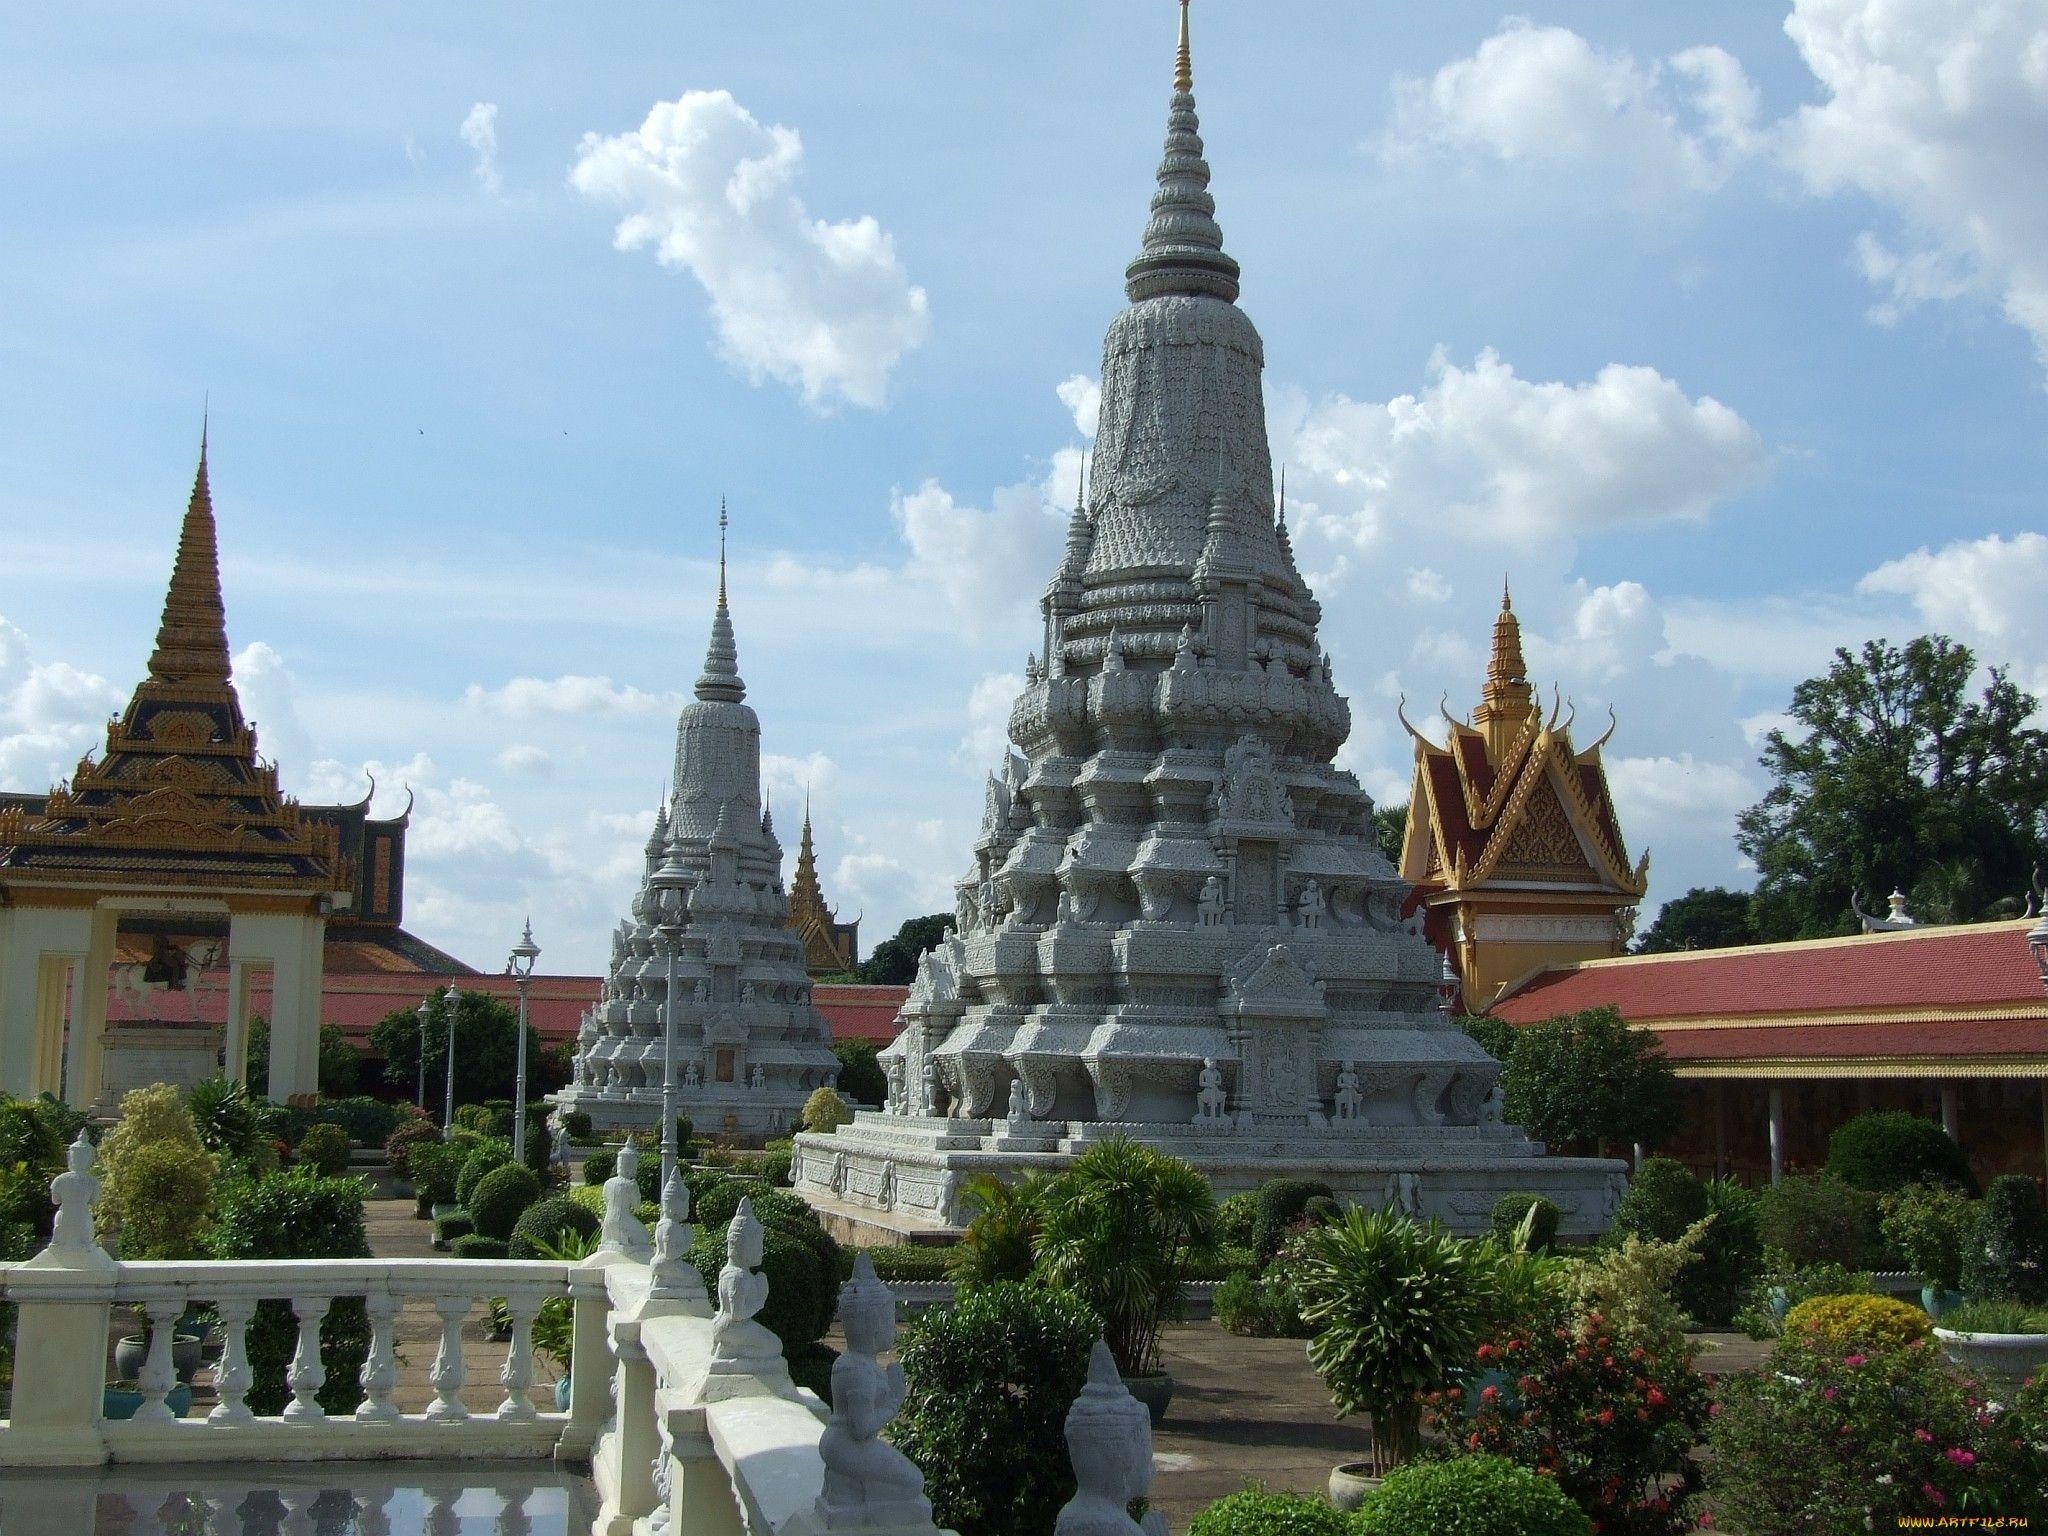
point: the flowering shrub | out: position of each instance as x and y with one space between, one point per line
1839 1324
1837 1443
1613 1423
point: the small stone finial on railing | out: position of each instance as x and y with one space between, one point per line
623 1232
675 1277
74 1192
1109 1441
869 1484
742 1293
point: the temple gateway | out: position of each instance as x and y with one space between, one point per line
1178 926
708 937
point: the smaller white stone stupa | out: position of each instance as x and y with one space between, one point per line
708 937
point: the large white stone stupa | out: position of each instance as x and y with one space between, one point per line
1178 925
711 915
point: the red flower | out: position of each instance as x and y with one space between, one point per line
1605 1415
1853 1360
1657 1398
1488 1394
1923 1437
1962 1458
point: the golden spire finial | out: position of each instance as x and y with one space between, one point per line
191 640
1184 63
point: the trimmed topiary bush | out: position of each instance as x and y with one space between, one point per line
825 1111
577 1123
487 1156
1255 1512
435 1167
1663 1199
1888 1149
990 1381
548 1220
775 1166
325 1149
499 1198
923 1262
1510 1210
1280 1203
1843 1323
1465 1496
451 1226
2007 1259
477 1246
600 1165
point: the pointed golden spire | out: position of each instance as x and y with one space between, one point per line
192 639
1509 699
1184 60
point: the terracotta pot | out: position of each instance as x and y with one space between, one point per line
1155 1392
1350 1482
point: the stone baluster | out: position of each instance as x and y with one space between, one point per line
159 1372
517 1374
380 1367
308 1374
449 1373
232 1377
370 1517
441 1518
301 1511
513 1519
261 1513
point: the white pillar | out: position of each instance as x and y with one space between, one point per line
291 945
37 945
1777 1132
1950 1120
234 1043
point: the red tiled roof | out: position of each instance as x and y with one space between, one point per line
356 1000
1977 1037
1973 966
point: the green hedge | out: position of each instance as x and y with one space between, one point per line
453 1225
1465 1496
910 1263
1254 1512
1280 1203
1887 1149
477 1246
486 1158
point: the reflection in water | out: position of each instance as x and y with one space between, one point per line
330 1499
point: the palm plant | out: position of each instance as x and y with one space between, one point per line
1001 1239
1118 1230
1396 1306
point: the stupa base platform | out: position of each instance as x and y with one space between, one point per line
741 1115
898 1179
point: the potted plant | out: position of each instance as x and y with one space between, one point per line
122 1399
1930 1226
1397 1307
131 1352
2000 1339
1118 1230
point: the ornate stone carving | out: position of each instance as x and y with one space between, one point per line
1109 1442
869 1484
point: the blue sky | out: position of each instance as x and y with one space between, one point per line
1722 329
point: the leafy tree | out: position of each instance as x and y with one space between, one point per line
894 961
1705 917
861 1077
1390 826
486 1049
1892 777
1590 1078
340 1063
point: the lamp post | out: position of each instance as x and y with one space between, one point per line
665 937
426 1009
524 953
450 998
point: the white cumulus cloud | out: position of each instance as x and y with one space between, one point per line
987 741
1536 93
570 694
1986 592
479 131
824 306
1487 454
1938 110
50 714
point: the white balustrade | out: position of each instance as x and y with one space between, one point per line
449 1374
307 1375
